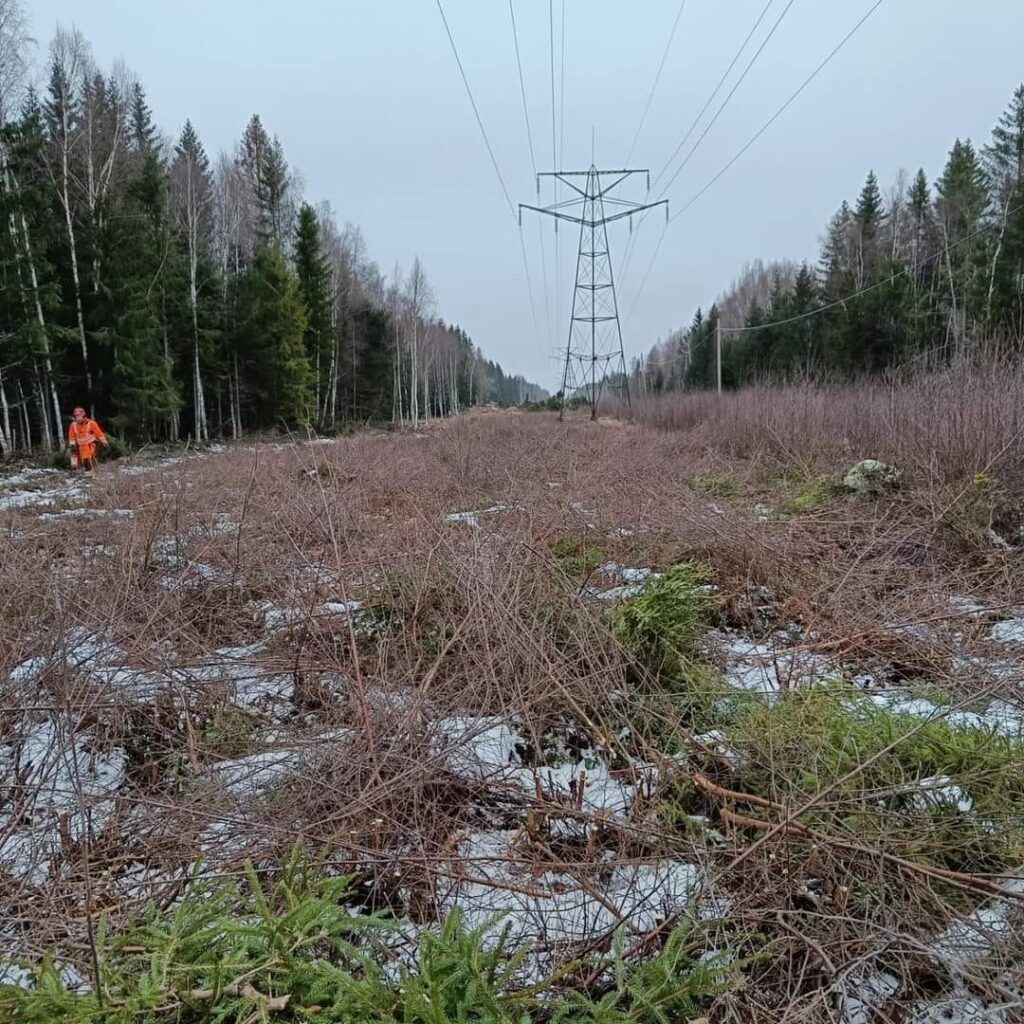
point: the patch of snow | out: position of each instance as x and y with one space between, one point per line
1000 717
100 550
467 518
715 740
96 659
993 668
623 593
472 519
554 909
64 779
479 748
14 975
859 997
257 774
960 1008
998 541
627 574
963 604
938 792
981 932
82 513
40 499
622 533
487 749
342 607
25 476
763 512
768 668
1011 631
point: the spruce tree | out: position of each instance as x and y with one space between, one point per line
314 285
145 393
836 264
271 339
141 130
1004 164
272 196
372 388
962 199
870 209
1004 155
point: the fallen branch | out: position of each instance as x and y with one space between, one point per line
243 990
960 879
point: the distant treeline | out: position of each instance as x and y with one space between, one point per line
179 296
926 268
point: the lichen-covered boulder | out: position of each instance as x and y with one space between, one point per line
872 477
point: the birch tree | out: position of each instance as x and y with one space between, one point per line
191 205
69 63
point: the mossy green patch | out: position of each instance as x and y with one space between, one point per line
814 496
716 485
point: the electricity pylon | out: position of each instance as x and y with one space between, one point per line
595 335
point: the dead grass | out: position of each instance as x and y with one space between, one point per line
474 624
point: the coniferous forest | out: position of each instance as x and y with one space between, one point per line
929 268
185 295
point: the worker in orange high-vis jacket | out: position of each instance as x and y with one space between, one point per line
83 435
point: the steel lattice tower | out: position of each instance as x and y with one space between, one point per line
594 356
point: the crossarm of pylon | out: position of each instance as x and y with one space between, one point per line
635 210
557 214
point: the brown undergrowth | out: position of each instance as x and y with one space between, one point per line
195 625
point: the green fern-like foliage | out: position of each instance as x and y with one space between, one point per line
248 954
663 623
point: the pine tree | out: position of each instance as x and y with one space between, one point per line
271 339
314 284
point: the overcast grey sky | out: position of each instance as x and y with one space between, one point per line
368 104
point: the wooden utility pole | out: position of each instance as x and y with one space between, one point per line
718 352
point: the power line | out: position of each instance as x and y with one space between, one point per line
785 106
533 164
494 161
522 86
554 159
778 113
561 96
715 91
657 80
911 269
732 92
476 111
630 247
551 33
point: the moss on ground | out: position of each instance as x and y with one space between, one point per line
814 496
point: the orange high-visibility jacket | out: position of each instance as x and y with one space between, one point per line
85 435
